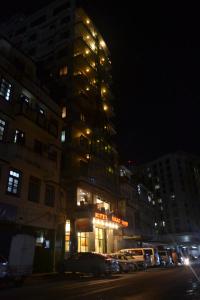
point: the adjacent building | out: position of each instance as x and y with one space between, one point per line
31 198
176 183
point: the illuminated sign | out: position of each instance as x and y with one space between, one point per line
101 216
113 219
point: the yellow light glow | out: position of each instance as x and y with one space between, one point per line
103 90
87 21
87 37
105 107
93 64
92 45
105 127
102 43
98 141
94 81
102 59
87 70
87 88
88 156
88 131
87 51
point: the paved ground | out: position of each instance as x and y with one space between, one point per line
155 284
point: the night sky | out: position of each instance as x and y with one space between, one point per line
155 53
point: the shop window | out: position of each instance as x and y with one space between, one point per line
5 89
34 189
19 137
99 240
83 238
13 186
67 236
2 129
50 195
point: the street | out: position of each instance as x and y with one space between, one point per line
173 283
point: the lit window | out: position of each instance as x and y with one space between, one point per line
83 239
64 112
19 137
5 89
82 117
105 107
2 129
67 236
13 182
24 98
63 71
63 136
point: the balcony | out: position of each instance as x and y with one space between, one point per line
15 152
26 111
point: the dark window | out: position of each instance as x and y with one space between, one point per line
38 21
34 189
19 137
65 20
5 89
53 127
65 34
50 195
38 147
20 31
2 129
13 186
33 37
60 8
32 51
52 155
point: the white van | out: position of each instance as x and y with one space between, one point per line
147 255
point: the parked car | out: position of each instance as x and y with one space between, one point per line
125 265
90 263
165 258
137 255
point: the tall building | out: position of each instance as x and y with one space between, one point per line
137 206
176 182
74 62
31 198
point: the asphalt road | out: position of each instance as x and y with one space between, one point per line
155 284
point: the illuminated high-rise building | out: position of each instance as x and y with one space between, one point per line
74 62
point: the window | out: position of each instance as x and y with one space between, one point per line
13 186
19 137
2 129
100 240
83 238
67 236
34 189
63 71
24 98
38 21
64 112
50 195
60 8
5 89
63 136
38 147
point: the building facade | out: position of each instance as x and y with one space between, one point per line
74 62
137 207
31 198
175 179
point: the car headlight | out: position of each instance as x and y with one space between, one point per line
186 261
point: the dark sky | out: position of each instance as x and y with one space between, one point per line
155 53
